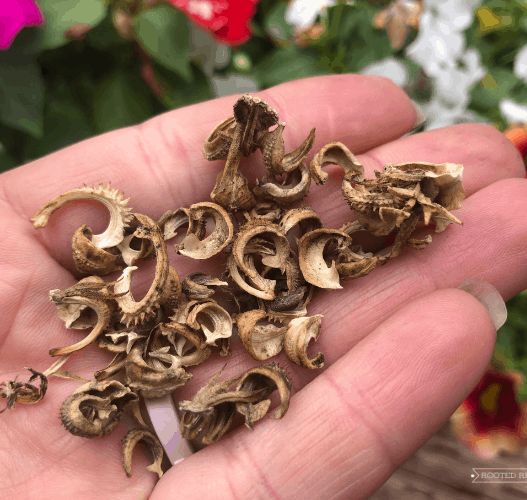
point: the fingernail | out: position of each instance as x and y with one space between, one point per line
489 297
420 116
164 418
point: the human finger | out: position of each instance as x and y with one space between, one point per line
490 245
486 154
160 164
349 429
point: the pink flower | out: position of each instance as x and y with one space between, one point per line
491 420
14 15
228 20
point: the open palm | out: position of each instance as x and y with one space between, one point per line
403 346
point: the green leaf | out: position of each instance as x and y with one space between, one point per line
119 101
62 14
65 123
7 162
265 7
284 65
104 36
350 41
495 86
340 21
511 342
275 25
256 48
13 143
179 92
512 336
164 34
412 67
519 94
21 92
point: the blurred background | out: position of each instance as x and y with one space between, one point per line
71 69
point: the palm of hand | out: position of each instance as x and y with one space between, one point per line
415 354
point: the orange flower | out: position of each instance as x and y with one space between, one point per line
491 420
518 138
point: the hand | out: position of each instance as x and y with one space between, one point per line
403 346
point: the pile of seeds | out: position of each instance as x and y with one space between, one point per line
276 256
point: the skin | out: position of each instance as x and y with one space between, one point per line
403 345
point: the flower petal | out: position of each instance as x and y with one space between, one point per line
490 420
14 15
513 111
520 63
391 68
32 13
228 21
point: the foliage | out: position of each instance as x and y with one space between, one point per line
511 344
159 32
56 91
498 43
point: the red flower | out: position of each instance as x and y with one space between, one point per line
519 139
490 420
227 19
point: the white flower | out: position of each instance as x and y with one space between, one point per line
513 112
453 85
390 68
303 13
520 63
438 115
458 13
436 45
440 50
